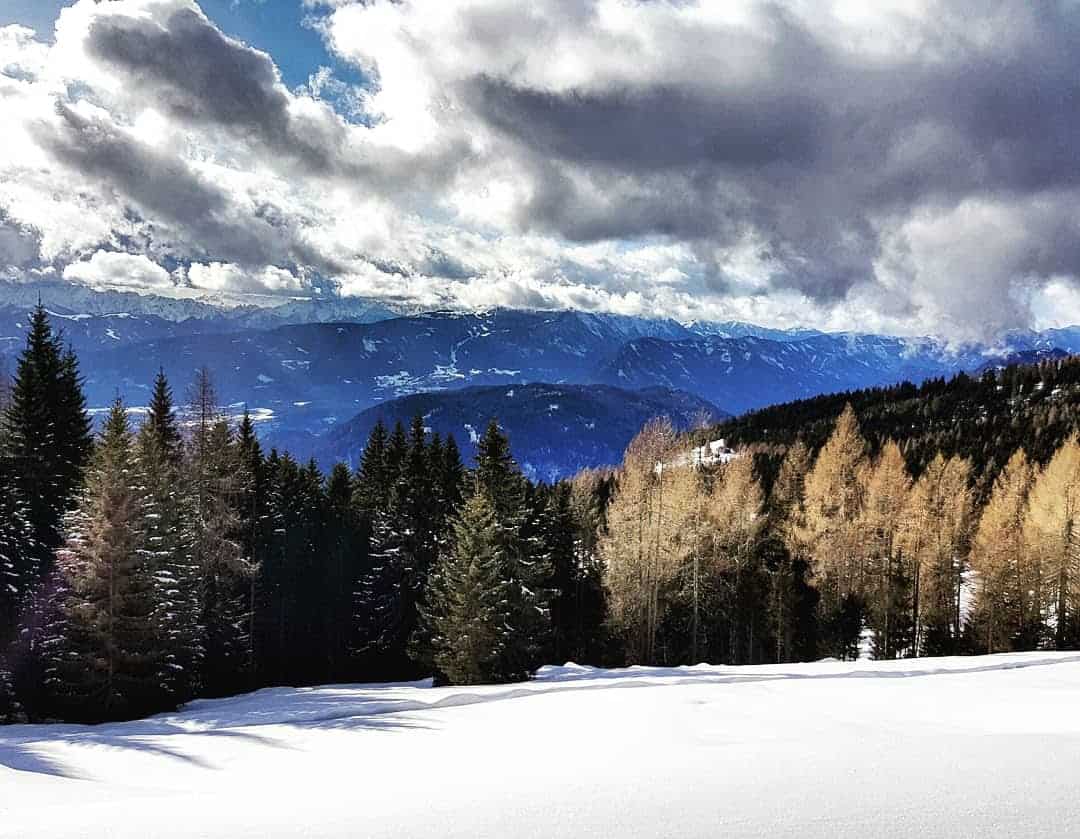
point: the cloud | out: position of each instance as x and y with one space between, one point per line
113 268
196 75
219 276
903 165
20 246
809 129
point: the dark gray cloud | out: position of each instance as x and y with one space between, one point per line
20 245
199 76
167 191
658 128
189 69
813 152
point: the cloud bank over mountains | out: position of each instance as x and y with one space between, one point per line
900 166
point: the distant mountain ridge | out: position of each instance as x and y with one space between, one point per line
751 372
78 299
303 378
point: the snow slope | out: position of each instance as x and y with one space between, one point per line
935 747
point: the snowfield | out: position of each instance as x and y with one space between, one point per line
932 747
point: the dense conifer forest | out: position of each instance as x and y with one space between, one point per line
169 556
984 419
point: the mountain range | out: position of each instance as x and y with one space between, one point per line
310 370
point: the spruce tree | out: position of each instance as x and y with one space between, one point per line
566 575
161 419
47 441
105 650
525 569
371 491
372 487
451 475
249 502
339 545
293 589
403 550
467 611
17 548
211 479
397 449
9 708
167 543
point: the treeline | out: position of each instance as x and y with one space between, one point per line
178 559
982 419
844 553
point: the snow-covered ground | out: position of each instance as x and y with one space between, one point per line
934 747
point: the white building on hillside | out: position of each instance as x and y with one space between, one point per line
713 453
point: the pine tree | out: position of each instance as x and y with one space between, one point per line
9 706
397 449
467 611
293 582
370 498
577 597
559 532
105 651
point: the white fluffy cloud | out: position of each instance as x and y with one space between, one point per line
904 166
111 269
219 276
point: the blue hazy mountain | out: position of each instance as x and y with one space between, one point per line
554 429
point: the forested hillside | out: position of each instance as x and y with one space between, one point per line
556 429
984 419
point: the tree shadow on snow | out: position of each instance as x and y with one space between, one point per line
21 746
381 708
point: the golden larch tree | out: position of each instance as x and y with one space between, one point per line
887 485
935 538
1052 532
832 505
1006 610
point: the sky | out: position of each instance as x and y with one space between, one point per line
902 166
